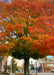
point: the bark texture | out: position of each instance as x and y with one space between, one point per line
26 66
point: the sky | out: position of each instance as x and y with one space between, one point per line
9 1
49 56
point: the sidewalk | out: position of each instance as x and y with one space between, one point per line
33 74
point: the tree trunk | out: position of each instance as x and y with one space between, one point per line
26 66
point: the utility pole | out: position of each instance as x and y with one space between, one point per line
35 66
11 66
53 61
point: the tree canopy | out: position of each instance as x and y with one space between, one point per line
27 28
21 19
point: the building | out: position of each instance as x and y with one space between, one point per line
2 63
47 66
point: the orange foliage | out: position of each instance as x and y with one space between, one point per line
33 17
9 28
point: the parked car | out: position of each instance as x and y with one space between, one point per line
52 70
16 71
32 71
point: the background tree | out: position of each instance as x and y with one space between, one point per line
27 29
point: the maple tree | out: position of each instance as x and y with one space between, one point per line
27 29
